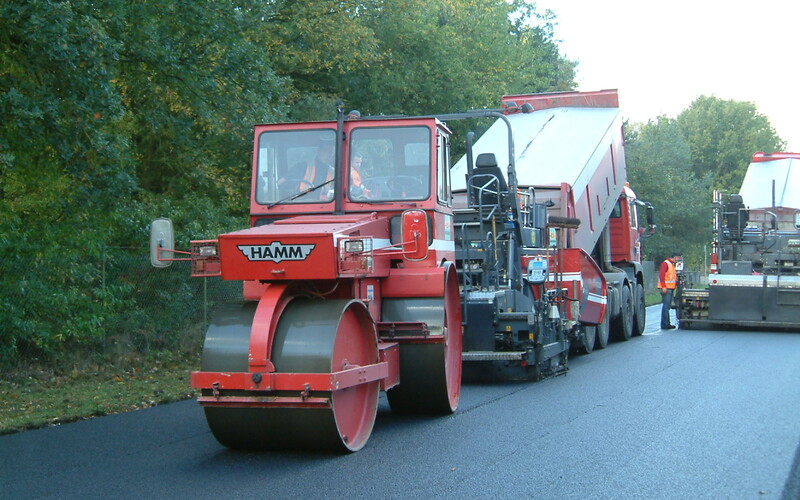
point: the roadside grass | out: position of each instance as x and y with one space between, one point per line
652 298
42 396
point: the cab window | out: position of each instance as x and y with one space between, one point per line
393 163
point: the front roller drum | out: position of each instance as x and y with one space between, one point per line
311 336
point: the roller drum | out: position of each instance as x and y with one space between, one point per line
312 336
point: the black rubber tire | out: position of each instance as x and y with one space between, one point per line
588 336
603 332
640 311
623 324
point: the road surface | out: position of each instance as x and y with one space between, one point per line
673 415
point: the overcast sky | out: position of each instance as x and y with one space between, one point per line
663 55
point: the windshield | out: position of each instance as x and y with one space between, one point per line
385 164
389 163
295 166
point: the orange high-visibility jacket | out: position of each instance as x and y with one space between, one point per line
310 175
667 277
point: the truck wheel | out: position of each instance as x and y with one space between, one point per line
640 311
603 330
588 334
623 324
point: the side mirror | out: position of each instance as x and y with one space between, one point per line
414 229
650 215
161 241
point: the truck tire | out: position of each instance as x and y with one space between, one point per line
601 340
623 324
588 334
640 311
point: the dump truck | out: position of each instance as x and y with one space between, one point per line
754 271
548 248
360 268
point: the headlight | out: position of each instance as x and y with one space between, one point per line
354 246
207 251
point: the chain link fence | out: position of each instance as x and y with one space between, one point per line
170 308
160 308
650 276
141 309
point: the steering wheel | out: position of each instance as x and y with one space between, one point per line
406 184
375 186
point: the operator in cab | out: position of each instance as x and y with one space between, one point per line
358 191
307 175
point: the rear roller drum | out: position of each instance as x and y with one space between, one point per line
312 336
430 373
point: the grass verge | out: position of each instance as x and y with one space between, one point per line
45 397
652 298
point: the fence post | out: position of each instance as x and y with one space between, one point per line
103 270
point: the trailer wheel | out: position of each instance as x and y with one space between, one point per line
623 324
430 373
640 311
312 336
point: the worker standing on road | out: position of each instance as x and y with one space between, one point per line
667 281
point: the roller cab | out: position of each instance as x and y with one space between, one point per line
349 287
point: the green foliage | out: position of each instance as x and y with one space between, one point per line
63 166
413 56
723 135
105 103
659 164
196 77
120 112
675 164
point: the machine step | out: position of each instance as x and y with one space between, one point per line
493 356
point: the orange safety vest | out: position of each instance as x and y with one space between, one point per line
670 277
356 177
310 175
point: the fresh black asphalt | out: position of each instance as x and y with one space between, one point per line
672 415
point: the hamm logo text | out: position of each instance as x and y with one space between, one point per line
276 252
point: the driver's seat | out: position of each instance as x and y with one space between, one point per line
487 183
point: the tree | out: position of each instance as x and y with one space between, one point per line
63 170
101 98
413 56
723 135
194 78
117 112
660 169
